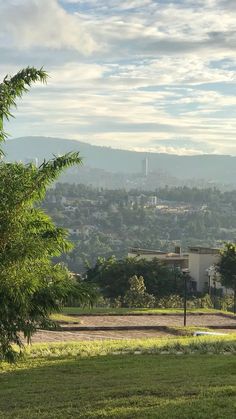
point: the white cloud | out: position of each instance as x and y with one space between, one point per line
124 73
43 24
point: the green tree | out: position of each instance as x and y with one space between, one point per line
227 268
112 276
31 286
136 296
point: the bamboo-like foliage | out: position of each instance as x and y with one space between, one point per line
12 88
31 285
227 268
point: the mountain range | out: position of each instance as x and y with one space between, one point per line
210 168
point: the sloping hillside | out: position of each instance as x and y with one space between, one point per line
216 168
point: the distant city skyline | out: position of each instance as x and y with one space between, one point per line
144 75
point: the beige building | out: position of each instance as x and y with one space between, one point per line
174 260
199 261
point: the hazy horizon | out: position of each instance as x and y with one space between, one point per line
118 148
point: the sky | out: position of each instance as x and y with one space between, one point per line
145 75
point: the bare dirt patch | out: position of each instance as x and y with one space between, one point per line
49 336
205 320
219 322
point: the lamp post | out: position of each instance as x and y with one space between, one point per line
208 272
234 295
185 273
211 272
214 284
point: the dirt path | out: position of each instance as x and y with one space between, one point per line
46 336
157 320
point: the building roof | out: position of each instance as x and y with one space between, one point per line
146 251
204 250
140 252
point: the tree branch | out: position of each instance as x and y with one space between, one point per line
12 88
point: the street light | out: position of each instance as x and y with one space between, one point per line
208 272
211 272
214 284
185 273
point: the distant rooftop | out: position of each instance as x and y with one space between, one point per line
193 249
171 255
146 251
204 250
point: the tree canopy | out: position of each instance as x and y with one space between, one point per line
227 268
112 276
31 285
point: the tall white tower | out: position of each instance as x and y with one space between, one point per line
145 167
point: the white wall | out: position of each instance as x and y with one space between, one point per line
198 264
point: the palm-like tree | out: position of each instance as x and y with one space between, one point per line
31 285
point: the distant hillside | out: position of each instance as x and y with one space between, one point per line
215 168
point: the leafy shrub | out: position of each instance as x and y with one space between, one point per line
136 296
117 302
172 301
226 302
102 302
205 302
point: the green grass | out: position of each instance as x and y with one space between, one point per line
60 317
109 310
172 345
70 380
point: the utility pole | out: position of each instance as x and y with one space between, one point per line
185 273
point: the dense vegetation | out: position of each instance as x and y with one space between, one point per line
107 222
139 283
31 285
227 268
113 277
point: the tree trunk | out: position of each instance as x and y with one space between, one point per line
234 300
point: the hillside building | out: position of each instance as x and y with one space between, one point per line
199 261
152 201
173 260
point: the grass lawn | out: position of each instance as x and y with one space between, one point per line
109 310
73 381
63 317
